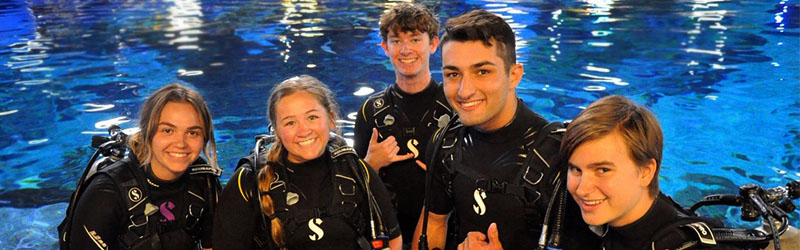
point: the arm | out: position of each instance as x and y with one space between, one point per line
208 218
382 197
236 218
437 230
97 216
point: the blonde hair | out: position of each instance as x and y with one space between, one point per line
266 176
141 142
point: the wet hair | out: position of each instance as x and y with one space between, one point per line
276 152
150 113
481 25
638 127
408 17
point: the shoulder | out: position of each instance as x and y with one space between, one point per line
374 102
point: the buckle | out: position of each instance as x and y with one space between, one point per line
491 186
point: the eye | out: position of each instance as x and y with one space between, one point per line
313 117
166 130
451 74
483 72
416 40
603 170
289 123
574 170
394 41
194 132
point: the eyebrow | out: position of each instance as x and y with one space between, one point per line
287 117
173 126
474 66
594 164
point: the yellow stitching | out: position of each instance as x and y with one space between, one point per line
362 111
239 180
366 171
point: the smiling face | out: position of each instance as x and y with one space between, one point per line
478 86
303 126
178 140
606 183
410 53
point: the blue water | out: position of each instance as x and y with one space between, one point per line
722 76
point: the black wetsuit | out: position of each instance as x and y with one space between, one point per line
482 183
239 214
662 227
421 112
101 217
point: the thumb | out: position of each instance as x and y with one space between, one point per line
494 238
374 138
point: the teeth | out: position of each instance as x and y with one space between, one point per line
307 142
593 202
178 154
469 104
408 60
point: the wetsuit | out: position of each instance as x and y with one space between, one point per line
101 217
411 119
482 177
239 217
665 226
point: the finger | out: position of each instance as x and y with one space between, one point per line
493 234
476 236
374 138
389 140
422 165
403 157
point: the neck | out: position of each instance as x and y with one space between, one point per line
503 118
413 84
637 212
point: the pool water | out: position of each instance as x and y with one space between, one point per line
722 76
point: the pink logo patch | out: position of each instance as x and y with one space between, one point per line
166 211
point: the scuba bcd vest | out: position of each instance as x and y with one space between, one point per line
533 183
349 177
381 110
141 232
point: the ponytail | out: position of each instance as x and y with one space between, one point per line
265 178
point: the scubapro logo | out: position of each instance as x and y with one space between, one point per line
313 225
135 194
411 147
479 195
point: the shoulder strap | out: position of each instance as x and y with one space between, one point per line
136 199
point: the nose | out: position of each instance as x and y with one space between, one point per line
405 48
303 129
466 88
181 140
585 184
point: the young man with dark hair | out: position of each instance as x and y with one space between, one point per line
498 162
393 125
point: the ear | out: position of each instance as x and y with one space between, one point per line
515 75
647 173
434 44
332 122
385 48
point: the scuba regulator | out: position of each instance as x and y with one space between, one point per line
771 204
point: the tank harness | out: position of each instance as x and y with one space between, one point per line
141 232
383 110
349 176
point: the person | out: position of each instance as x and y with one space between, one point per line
308 190
393 126
498 161
614 152
163 194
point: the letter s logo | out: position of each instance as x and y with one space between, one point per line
313 225
479 195
410 144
